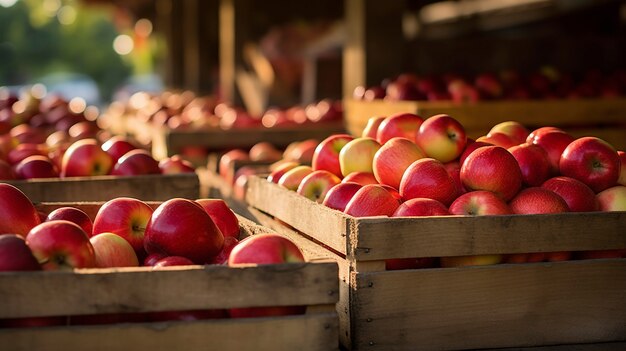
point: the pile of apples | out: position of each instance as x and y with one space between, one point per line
405 166
546 83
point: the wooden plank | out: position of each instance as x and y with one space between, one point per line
103 188
604 346
496 306
311 332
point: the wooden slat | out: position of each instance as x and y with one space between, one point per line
603 346
311 332
104 188
497 306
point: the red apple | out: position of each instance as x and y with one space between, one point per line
533 162
326 155
227 160
22 151
470 146
428 178
465 261
117 146
554 142
170 261
591 160
180 227
73 215
537 200
489 85
454 170
223 217
61 245
85 158
264 151
514 130
613 199
6 171
292 178
419 207
403 125
393 158
316 185
18 215
578 196
126 217
15 255
374 93
280 170
229 244
175 165
301 152
539 131
83 130
112 250
442 138
498 139
339 195
362 178
358 155
265 249
479 203
36 167
622 172
153 258
372 200
492 168
136 162
25 134
371 128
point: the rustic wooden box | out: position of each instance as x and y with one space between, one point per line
129 290
507 305
604 118
103 188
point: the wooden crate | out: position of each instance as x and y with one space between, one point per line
505 305
140 290
103 188
604 118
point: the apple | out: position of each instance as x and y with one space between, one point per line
227 160
326 155
591 160
403 90
18 215
393 158
229 244
117 146
265 249
395 193
612 199
374 93
535 200
475 260
136 162
6 171
470 147
223 217
462 92
339 195
301 151
180 227
533 162
170 261
498 139
36 166
126 217
371 128
442 138
85 158
419 207
362 178
403 125
372 200
175 164
622 171
153 258
539 131
316 185
395 264
554 142
22 151
83 130
291 179
73 215
25 134
514 130
489 85
60 245
454 170
358 155
264 151
601 254
578 196
492 168
112 250
15 255
280 170
479 203
428 178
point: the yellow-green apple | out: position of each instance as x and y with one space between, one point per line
474 260
301 151
479 203
264 151
372 200
223 217
533 162
492 168
403 125
85 158
292 178
153 258
591 160
536 200
175 164
226 162
362 178
265 249
181 227
339 195
171 261
316 185
6 171
622 172
554 142
578 196
73 215
442 138
326 155
18 215
112 250
393 158
515 130
229 244
22 151
136 162
280 170
358 155
470 147
498 139
371 128
59 245
612 199
15 255
36 166
126 217
117 146
428 178
419 207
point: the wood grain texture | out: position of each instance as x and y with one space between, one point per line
310 332
104 188
491 306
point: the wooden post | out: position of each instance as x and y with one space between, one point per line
190 39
